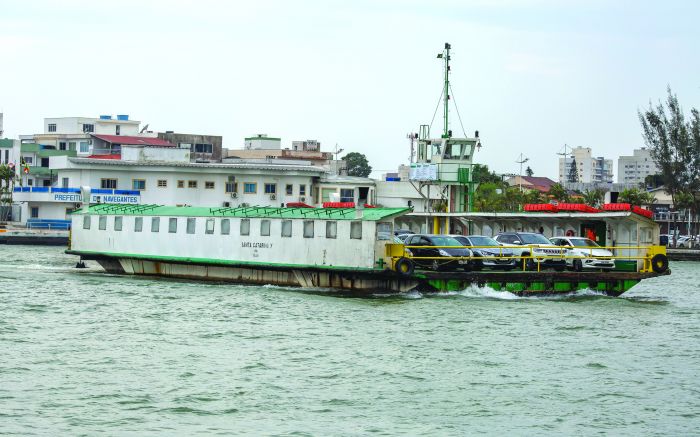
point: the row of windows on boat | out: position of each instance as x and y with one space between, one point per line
286 228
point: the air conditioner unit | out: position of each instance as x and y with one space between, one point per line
302 199
227 204
245 205
273 197
234 195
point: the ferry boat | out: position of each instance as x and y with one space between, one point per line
341 248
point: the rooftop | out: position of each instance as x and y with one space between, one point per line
135 141
368 214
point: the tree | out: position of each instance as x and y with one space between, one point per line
573 172
674 144
357 164
636 197
653 181
481 174
594 198
7 186
488 197
528 171
558 193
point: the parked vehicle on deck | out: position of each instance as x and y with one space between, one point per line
423 245
533 245
590 254
490 254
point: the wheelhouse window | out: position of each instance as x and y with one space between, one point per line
172 225
289 189
331 229
265 228
245 227
308 229
250 188
162 183
155 224
225 226
108 184
138 224
384 231
138 184
209 226
356 230
270 188
102 225
191 224
86 221
118 223
286 228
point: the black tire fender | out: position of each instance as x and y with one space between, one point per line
659 263
404 266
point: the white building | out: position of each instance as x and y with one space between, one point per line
589 168
262 142
634 169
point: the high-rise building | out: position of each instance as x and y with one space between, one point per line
634 169
588 167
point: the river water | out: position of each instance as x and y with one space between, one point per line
83 352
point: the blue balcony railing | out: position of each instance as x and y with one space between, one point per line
75 190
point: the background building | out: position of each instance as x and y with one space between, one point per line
203 148
634 169
589 168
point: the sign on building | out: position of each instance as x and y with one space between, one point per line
423 172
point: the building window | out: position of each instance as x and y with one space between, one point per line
102 224
52 127
265 228
118 223
191 224
225 226
331 229
181 184
155 224
65 182
209 185
191 184
308 229
250 188
118 130
356 230
86 221
88 127
286 228
203 148
245 226
84 146
209 226
231 187
30 182
162 183
138 184
108 184
326 194
289 189
28 159
138 224
347 195
172 225
62 145
270 188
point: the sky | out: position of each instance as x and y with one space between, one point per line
529 75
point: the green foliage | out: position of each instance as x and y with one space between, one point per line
594 198
357 164
481 174
488 197
635 196
7 185
528 171
653 181
558 193
573 172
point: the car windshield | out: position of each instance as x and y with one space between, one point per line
583 242
483 241
534 239
445 241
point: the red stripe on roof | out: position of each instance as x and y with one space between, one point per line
117 156
135 141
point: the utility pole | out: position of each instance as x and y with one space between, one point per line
445 56
521 160
565 154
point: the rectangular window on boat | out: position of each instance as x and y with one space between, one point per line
302 190
102 225
245 226
331 229
155 224
191 224
384 231
118 223
86 221
172 225
356 230
270 188
265 228
108 184
308 229
286 228
289 189
225 226
138 224
209 226
250 188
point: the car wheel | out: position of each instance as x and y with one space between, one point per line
578 265
476 264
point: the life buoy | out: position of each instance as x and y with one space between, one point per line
659 263
569 233
404 266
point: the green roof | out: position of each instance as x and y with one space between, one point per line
29 147
368 214
39 171
6 143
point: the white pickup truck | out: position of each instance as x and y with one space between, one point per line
524 244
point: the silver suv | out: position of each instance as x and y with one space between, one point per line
524 244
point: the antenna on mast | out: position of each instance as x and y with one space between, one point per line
521 160
445 56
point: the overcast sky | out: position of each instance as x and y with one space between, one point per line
530 75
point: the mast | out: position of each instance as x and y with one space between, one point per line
445 56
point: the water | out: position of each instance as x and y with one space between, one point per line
83 352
